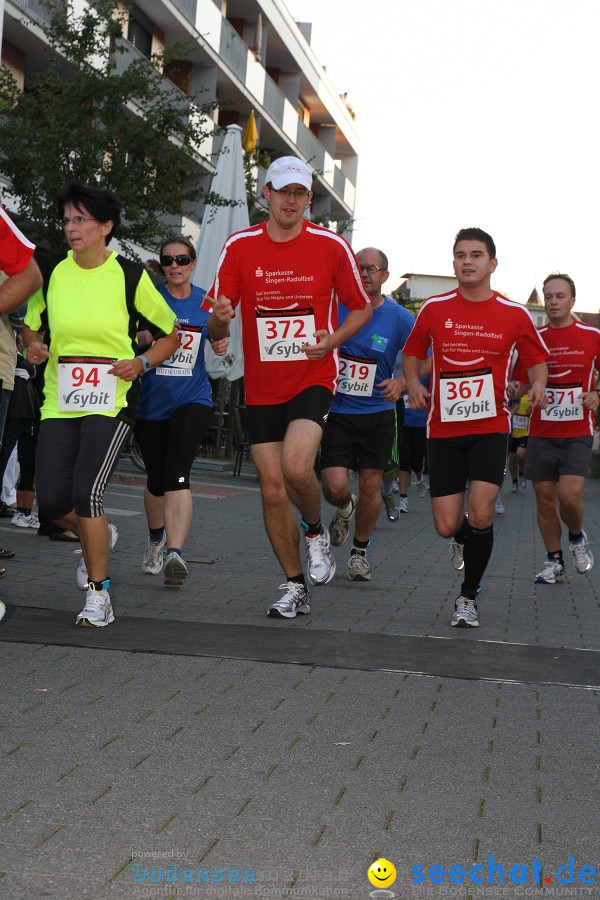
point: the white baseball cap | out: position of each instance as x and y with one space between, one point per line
289 170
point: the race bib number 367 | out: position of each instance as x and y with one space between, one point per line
282 334
84 384
467 395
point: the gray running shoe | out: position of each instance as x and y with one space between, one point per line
582 555
499 507
457 555
551 573
175 570
321 564
421 489
515 487
465 613
522 482
294 601
340 525
403 504
391 510
154 557
358 567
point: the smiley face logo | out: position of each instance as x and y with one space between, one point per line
381 873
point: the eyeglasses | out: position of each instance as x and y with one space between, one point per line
77 220
288 193
182 259
371 269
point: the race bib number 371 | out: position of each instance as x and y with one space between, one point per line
564 403
282 334
84 384
467 395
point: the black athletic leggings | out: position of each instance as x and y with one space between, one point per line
170 445
75 460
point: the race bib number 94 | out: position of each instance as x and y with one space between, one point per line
564 403
467 395
282 334
84 384
356 376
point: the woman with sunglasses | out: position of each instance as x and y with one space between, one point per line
174 415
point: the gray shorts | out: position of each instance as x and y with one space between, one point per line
549 458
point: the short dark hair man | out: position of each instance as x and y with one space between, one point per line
285 276
472 332
559 448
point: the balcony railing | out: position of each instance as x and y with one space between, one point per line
188 8
34 9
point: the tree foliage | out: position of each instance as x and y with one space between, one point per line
101 114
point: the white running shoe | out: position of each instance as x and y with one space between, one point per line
321 564
465 613
582 555
22 521
81 574
154 557
175 570
421 489
294 601
358 567
515 487
97 611
403 504
2 610
457 552
522 482
499 507
552 572
340 525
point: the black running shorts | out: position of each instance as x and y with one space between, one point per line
453 462
268 423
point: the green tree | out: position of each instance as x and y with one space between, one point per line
101 115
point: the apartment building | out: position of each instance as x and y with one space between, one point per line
249 55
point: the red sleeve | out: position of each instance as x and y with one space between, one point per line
519 372
530 346
226 283
418 342
348 280
15 249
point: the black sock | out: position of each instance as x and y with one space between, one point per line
359 546
575 537
310 529
298 579
556 556
478 549
157 534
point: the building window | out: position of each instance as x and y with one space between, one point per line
139 31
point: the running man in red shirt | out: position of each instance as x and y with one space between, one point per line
285 277
559 449
473 332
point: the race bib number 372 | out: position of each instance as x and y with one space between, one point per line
467 395
283 334
84 384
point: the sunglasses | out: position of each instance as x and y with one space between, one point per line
182 259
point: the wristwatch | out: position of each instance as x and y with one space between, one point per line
145 362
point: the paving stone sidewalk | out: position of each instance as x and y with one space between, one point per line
266 780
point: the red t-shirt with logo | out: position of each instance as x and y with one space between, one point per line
472 346
15 249
286 291
574 354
